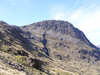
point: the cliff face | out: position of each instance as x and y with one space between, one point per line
58 35
48 48
52 27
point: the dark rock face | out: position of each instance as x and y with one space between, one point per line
63 27
21 52
11 34
44 42
93 53
36 63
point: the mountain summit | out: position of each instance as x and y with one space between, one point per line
49 47
54 27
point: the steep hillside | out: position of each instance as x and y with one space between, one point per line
17 52
47 48
60 39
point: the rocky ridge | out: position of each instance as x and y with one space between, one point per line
48 48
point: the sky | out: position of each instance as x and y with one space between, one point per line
83 14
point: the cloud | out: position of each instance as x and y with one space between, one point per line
86 19
88 22
58 12
59 16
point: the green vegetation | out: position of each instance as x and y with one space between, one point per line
0 40
21 60
4 48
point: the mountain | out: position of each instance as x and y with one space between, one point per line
51 47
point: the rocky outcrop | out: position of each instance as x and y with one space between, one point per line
53 27
48 48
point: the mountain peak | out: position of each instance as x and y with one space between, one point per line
37 48
55 25
58 26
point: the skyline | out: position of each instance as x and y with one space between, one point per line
83 14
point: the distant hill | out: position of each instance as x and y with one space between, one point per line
51 47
